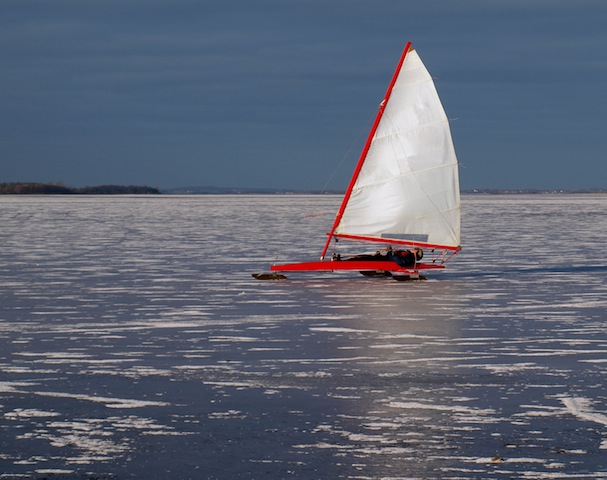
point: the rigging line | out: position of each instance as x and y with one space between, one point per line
348 153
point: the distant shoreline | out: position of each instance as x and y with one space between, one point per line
527 191
269 191
33 188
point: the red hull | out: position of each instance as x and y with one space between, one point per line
357 265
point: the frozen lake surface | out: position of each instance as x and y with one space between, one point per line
134 343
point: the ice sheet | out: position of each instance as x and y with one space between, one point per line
134 342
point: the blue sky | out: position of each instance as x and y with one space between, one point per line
281 93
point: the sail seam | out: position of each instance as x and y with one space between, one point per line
395 131
404 174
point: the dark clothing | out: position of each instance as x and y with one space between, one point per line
404 258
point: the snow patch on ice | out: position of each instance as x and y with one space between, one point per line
582 408
229 414
21 413
10 387
470 414
338 330
53 471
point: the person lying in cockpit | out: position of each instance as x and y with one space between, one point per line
407 258
404 258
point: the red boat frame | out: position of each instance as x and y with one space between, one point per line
356 265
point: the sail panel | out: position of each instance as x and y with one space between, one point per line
408 184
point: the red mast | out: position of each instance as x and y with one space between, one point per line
363 155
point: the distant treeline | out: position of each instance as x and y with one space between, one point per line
21 188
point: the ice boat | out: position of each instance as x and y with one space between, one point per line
404 193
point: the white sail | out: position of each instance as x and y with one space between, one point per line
408 185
